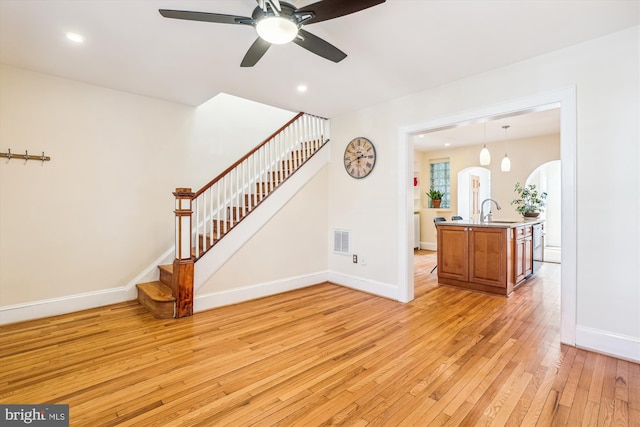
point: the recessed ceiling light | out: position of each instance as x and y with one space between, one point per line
302 88
447 144
421 135
75 37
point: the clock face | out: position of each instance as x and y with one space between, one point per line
359 157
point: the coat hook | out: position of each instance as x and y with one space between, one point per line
26 156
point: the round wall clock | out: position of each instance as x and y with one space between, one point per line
359 157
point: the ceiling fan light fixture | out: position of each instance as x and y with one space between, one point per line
276 29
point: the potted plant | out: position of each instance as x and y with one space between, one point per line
436 197
530 202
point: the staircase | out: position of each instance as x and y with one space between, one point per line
205 217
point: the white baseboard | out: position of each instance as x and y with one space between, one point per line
605 342
428 246
72 303
365 285
247 293
62 305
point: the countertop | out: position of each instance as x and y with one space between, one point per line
498 223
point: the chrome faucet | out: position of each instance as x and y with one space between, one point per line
484 217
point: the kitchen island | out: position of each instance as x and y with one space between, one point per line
494 256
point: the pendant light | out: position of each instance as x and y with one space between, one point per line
485 156
505 166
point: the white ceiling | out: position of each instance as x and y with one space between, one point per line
524 124
396 48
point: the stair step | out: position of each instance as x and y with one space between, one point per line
157 298
166 274
205 242
265 187
237 212
219 233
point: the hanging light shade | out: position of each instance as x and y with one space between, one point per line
505 166
485 156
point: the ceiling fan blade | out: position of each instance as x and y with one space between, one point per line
205 17
276 5
255 52
318 46
330 9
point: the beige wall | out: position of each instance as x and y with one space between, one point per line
294 242
101 210
525 154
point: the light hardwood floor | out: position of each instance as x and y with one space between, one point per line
324 355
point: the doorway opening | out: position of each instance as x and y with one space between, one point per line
474 185
547 178
565 100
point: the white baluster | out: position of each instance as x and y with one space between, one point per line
225 184
195 227
210 216
218 186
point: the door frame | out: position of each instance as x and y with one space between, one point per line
565 99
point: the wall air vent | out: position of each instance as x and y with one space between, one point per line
341 242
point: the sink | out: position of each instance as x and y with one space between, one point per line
504 222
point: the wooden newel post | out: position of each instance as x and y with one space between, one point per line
182 281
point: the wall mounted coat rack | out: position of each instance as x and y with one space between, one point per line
26 156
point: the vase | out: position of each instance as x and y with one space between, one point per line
531 214
436 203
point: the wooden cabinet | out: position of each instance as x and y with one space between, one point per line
488 256
489 259
523 253
473 257
453 253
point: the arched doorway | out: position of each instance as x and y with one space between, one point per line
547 177
474 185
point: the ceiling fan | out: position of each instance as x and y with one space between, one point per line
277 22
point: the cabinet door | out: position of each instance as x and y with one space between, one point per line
453 252
487 256
518 261
528 256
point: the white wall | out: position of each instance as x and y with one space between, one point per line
605 74
526 155
101 210
292 244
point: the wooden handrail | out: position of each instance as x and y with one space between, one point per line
243 158
204 217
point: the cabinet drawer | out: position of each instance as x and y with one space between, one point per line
521 232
